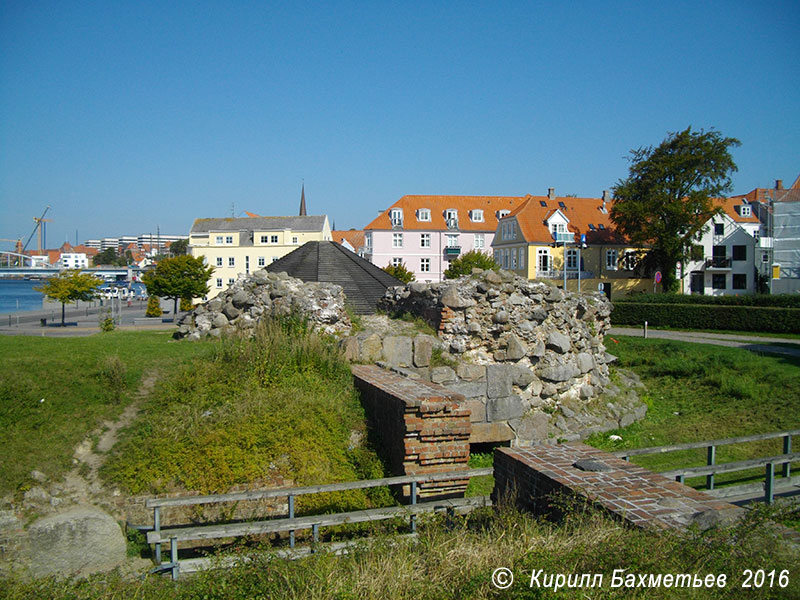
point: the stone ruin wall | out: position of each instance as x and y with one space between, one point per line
529 359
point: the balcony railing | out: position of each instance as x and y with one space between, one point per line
718 262
560 274
452 251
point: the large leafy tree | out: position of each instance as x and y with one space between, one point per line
474 259
69 286
179 247
178 277
669 194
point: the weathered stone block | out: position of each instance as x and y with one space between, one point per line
371 348
584 362
484 433
469 389
442 375
498 380
558 342
522 376
423 350
516 349
503 409
477 410
470 372
531 428
397 350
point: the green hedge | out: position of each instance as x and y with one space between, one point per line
777 300
694 316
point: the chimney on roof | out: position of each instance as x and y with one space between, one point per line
779 184
551 193
606 199
303 201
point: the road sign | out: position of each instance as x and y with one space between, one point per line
658 277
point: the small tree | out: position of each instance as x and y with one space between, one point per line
400 272
178 277
668 195
474 259
69 286
153 307
179 247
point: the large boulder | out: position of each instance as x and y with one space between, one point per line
81 541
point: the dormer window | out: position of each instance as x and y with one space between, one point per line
396 217
451 218
562 206
502 213
745 210
424 214
476 216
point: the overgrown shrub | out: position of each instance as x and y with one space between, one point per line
186 304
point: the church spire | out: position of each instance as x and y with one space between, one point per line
303 201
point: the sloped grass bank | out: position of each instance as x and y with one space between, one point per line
280 406
54 391
455 559
698 392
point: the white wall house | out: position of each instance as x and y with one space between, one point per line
74 260
723 261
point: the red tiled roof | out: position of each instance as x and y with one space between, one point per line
439 204
580 212
354 237
729 206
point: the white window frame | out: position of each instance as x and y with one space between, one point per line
295 240
397 261
476 215
264 239
572 259
229 240
745 211
629 260
543 259
219 240
424 265
424 214
219 261
513 258
397 240
522 257
612 258
231 280
480 241
219 283
262 261
451 240
396 216
231 261
368 239
425 240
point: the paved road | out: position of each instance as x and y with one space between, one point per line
86 321
756 343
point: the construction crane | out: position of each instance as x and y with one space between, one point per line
40 221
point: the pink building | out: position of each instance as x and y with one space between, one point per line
426 232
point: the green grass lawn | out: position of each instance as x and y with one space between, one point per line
54 391
698 392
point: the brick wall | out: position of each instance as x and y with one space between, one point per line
640 497
417 427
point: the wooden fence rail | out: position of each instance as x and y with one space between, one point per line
712 468
173 535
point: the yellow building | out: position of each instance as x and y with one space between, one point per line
237 247
545 232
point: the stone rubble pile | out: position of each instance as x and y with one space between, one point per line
265 294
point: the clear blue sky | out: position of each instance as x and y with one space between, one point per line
124 116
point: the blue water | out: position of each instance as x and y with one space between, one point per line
18 295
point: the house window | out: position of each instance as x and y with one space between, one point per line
219 282
425 265
425 240
559 228
262 261
264 239
513 258
231 281
396 216
397 240
718 281
477 216
452 240
505 258
218 240
219 261
543 257
611 260
479 241
498 256
739 252
397 261
228 239
424 214
739 281
368 239
231 261
502 213
630 260
274 258
522 257
744 211
572 259
295 240
719 228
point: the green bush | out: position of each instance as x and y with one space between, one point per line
186 304
778 300
153 307
696 316
400 272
